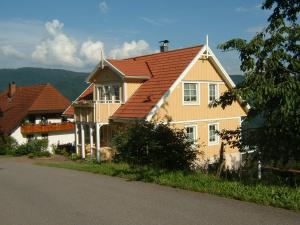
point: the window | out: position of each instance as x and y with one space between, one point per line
212 135
191 132
190 93
109 93
212 92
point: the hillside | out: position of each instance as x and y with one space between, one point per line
69 83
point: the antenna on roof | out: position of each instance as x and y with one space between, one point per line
102 58
207 46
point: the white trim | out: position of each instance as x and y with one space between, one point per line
217 91
196 130
205 120
125 92
209 143
174 85
197 102
106 63
205 81
221 68
137 77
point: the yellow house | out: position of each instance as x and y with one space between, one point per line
177 85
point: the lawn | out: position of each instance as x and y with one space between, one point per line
284 197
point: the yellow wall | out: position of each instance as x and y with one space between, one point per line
201 115
204 73
132 85
104 111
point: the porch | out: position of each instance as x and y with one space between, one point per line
93 140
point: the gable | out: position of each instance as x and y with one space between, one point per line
203 72
106 75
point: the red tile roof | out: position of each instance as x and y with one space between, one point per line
42 98
165 68
87 94
132 67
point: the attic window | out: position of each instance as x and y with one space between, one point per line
109 93
191 93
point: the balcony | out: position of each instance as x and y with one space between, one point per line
84 110
46 128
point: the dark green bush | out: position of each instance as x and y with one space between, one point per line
35 147
156 145
7 144
64 149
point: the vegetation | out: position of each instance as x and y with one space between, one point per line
156 145
271 63
69 83
278 196
34 148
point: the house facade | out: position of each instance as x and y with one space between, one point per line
177 86
35 112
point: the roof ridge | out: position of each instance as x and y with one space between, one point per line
40 93
156 53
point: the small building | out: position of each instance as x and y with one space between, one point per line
35 112
177 85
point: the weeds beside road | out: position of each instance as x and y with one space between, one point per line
284 197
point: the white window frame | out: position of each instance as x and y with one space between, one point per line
112 97
217 91
197 102
195 131
216 142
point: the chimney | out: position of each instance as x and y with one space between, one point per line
164 46
11 89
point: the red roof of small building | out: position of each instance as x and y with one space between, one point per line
165 68
41 98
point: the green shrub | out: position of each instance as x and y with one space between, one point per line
7 145
156 145
64 149
74 157
36 147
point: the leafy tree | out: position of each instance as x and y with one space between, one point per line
156 145
271 63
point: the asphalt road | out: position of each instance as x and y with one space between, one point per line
34 195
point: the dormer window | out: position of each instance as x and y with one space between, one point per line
108 93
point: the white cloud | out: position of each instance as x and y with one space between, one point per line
103 7
133 48
10 51
58 48
91 51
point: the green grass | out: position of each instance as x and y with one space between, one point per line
284 197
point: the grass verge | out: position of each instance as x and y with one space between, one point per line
283 197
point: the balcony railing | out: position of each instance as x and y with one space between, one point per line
46 128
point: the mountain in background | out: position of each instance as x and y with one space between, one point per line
70 84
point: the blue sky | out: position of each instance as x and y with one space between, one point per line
69 34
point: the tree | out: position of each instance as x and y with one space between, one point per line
271 63
156 145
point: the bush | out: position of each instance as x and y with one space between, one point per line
64 149
36 147
7 144
156 145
